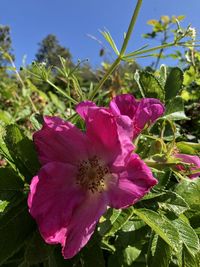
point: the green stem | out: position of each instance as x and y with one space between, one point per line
149 50
123 49
62 92
158 165
105 77
130 28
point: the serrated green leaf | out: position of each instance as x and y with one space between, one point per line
175 110
161 225
190 191
171 201
151 86
107 220
173 83
117 223
163 179
187 236
188 259
161 253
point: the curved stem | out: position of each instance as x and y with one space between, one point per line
122 51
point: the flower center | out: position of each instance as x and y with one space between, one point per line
91 174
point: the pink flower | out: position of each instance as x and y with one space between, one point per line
142 113
194 162
82 174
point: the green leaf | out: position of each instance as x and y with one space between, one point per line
151 86
163 179
3 205
190 191
107 220
175 110
93 256
110 40
116 222
188 148
37 121
173 83
56 259
15 227
5 117
57 102
36 250
161 225
171 201
188 259
11 189
10 184
22 152
187 236
161 253
125 257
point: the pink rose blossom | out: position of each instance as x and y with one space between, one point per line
82 174
142 113
194 162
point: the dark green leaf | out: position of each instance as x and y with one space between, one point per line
36 250
22 151
15 227
173 83
160 254
93 256
188 259
151 86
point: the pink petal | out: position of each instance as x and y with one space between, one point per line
124 104
52 200
82 108
148 111
131 184
83 223
105 133
60 141
193 160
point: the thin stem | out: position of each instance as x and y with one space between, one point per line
161 50
62 92
136 53
105 77
131 26
123 49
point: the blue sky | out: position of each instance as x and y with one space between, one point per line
72 20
